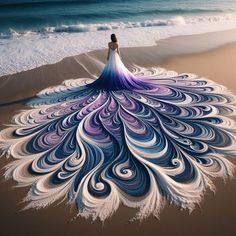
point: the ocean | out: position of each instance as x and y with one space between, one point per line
37 32
87 15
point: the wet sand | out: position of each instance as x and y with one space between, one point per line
215 215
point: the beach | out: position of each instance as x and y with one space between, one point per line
210 55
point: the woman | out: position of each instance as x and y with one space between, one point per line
113 45
125 138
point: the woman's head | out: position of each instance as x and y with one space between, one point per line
113 38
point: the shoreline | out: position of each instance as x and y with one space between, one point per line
214 216
27 51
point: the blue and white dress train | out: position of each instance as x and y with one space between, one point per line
140 139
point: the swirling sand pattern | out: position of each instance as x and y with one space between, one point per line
100 148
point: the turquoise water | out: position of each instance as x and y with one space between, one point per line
37 15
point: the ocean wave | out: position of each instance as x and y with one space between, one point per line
177 11
45 2
111 26
81 28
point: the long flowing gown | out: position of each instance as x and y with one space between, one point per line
140 139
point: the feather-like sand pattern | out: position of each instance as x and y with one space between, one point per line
100 147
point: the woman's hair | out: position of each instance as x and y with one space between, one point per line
113 38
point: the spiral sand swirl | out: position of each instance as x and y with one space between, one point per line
141 148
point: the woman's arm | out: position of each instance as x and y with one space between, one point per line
118 50
108 53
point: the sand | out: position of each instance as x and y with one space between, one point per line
215 215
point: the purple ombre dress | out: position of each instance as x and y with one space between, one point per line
115 76
138 139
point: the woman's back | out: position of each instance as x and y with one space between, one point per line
113 45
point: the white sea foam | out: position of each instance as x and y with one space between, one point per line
26 50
